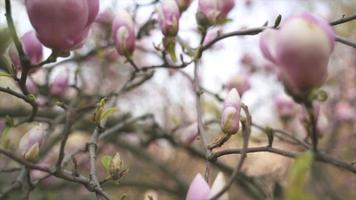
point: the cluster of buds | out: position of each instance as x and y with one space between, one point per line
123 33
213 12
32 48
60 83
30 143
301 49
116 167
62 24
230 118
200 190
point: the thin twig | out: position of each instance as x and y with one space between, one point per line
246 131
345 41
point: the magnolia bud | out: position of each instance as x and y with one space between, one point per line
60 83
169 17
31 142
301 49
183 4
32 48
62 24
123 33
212 12
198 189
240 82
218 185
230 119
116 166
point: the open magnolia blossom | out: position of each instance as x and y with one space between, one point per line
199 189
62 24
168 17
31 142
212 12
301 49
32 48
123 33
230 117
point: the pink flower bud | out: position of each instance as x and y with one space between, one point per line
169 17
240 82
123 33
230 119
183 4
60 83
301 49
62 24
212 12
198 189
285 106
32 48
31 142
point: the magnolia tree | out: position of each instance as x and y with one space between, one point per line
87 113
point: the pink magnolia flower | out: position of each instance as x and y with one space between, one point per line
212 12
31 142
183 4
60 83
123 33
198 189
32 48
301 49
62 24
230 119
168 17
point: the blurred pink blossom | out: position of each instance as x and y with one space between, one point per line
301 49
